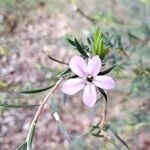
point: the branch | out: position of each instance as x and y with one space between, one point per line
36 117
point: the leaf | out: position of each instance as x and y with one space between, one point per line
146 30
65 72
16 105
58 61
64 99
71 42
36 90
98 45
103 93
60 124
132 37
30 138
73 76
22 146
53 106
79 48
101 50
107 70
63 130
118 137
89 40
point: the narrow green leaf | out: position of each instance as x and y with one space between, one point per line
63 130
65 72
103 93
71 42
79 48
101 51
98 45
58 61
30 138
132 37
22 146
60 124
36 90
118 137
96 132
73 76
107 70
53 106
64 99
89 40
16 105
146 30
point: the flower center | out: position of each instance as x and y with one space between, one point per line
89 79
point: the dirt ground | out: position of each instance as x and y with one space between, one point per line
26 65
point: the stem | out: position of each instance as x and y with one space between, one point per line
36 117
103 124
104 116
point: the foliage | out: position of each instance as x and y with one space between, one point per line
124 49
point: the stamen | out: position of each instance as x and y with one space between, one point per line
89 79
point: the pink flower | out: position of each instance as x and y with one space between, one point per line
88 79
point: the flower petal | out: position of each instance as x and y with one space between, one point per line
72 86
94 66
89 95
78 66
104 82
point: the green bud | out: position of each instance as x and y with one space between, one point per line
98 45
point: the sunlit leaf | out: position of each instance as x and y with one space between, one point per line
3 51
98 45
3 85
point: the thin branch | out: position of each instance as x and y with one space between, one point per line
92 20
36 117
76 9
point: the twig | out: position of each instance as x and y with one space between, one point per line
76 9
36 117
92 20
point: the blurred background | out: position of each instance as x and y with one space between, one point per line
30 30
